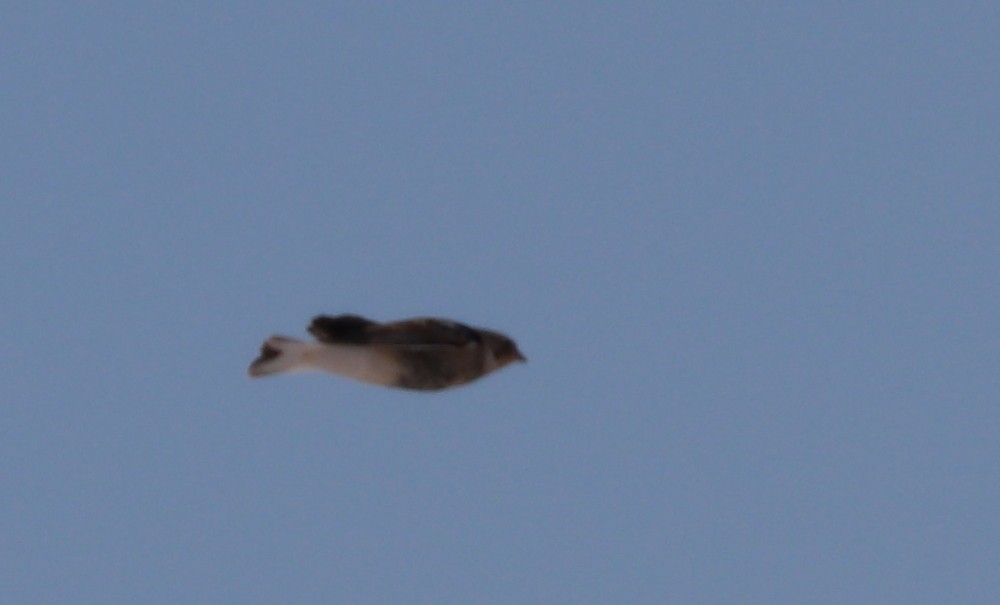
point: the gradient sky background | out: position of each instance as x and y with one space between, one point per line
750 250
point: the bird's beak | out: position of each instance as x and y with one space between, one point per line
521 357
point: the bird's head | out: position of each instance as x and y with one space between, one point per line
503 349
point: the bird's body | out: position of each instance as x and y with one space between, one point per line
423 354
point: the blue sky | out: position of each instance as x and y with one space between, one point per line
750 250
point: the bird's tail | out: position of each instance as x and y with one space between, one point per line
281 354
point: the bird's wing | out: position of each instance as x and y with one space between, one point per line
421 332
424 332
342 329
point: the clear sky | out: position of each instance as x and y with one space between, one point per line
751 250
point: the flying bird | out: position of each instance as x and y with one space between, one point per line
424 353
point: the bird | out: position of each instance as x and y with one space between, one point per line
421 353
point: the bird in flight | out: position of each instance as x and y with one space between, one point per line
424 353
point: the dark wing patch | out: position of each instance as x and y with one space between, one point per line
425 331
343 329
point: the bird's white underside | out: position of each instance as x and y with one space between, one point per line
374 364
350 361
